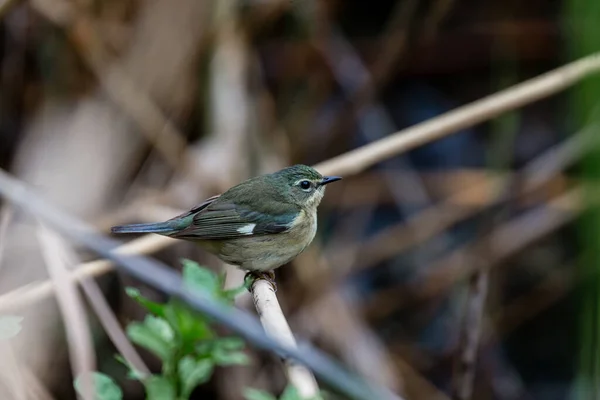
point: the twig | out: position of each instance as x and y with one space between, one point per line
81 349
276 326
161 277
470 336
534 89
112 327
23 296
107 319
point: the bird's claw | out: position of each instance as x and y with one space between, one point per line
252 276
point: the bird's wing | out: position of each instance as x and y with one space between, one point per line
224 219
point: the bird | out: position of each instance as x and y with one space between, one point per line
257 225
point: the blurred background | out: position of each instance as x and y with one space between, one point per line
463 269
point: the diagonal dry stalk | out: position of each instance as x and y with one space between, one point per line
112 327
81 349
107 318
34 292
276 326
479 111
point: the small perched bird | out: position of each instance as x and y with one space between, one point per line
257 225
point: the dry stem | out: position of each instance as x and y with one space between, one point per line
276 326
81 349
542 86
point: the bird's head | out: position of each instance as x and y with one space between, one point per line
303 184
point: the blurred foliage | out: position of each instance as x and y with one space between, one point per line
184 341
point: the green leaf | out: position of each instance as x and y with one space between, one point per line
153 307
10 326
154 334
198 278
230 294
230 343
132 373
205 348
190 327
161 327
193 373
255 394
104 386
159 388
224 357
290 393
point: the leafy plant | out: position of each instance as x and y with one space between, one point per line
104 387
182 339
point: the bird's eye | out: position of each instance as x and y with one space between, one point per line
305 185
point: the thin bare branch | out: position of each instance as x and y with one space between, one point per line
276 326
34 292
81 349
527 92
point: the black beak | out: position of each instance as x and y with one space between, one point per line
329 179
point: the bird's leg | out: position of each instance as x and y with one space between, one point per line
251 276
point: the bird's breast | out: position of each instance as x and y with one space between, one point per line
304 228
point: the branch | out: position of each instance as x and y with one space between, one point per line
276 326
81 348
169 282
534 89
34 292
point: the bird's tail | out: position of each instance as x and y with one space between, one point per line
159 227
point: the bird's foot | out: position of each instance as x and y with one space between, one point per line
252 276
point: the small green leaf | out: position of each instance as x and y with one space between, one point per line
205 348
159 388
230 294
193 373
132 373
154 334
10 326
230 343
255 394
161 327
153 307
190 327
290 393
104 386
198 278
224 358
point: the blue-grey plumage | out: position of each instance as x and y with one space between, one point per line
258 225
